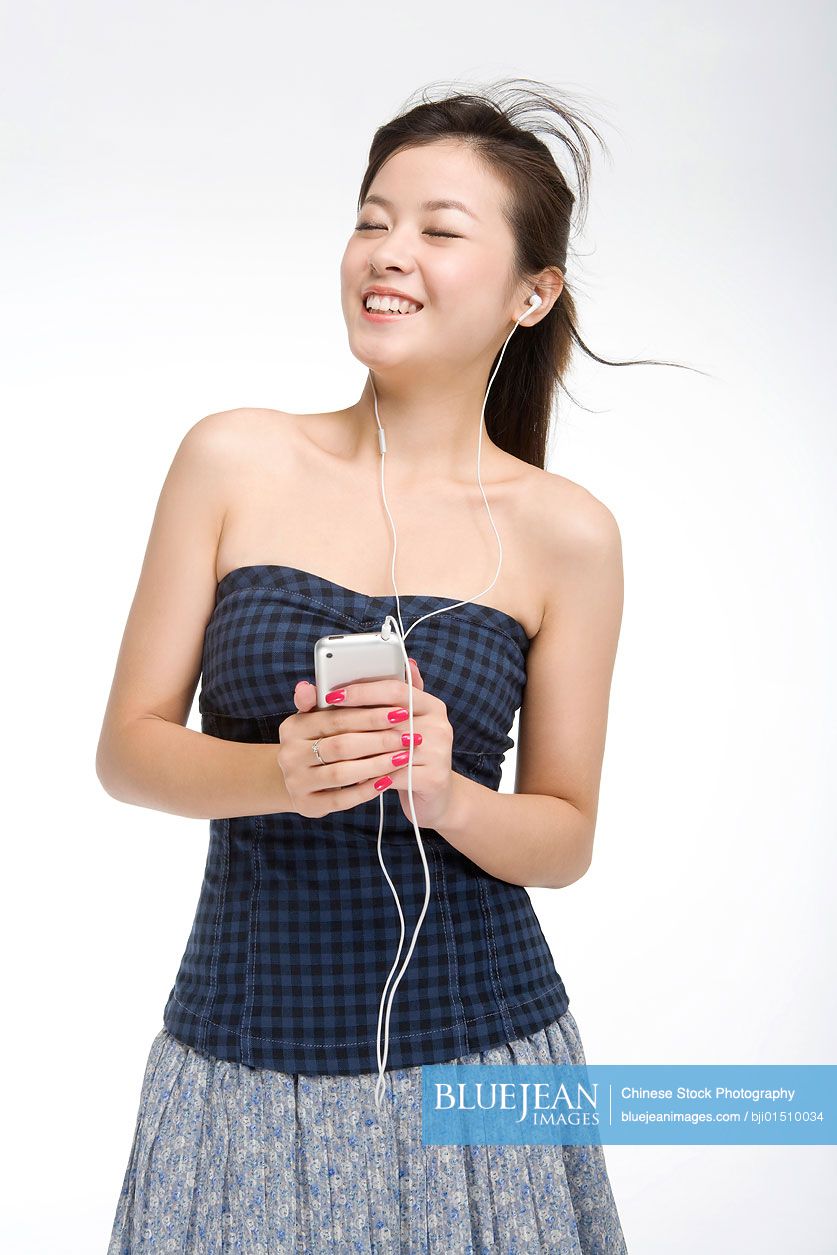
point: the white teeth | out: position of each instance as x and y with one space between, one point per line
390 304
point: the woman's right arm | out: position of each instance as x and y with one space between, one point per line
146 756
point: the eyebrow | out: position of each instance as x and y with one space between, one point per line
443 203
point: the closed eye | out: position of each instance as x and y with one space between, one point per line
376 226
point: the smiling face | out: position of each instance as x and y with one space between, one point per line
456 265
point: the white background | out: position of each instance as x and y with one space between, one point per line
179 180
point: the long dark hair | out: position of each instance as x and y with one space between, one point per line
535 363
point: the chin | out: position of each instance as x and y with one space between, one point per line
380 358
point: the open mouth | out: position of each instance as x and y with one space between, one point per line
381 315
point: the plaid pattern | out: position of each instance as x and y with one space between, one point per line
296 928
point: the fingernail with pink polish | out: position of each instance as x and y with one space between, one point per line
383 783
337 695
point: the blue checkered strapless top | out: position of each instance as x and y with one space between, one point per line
296 928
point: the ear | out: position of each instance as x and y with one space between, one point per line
548 285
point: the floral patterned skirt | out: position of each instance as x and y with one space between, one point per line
231 1158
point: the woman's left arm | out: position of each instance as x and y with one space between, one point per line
542 834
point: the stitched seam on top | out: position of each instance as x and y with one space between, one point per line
493 966
368 620
266 725
362 1041
252 935
489 627
209 1001
453 965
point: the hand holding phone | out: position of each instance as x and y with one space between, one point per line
362 755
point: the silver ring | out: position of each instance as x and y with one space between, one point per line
314 745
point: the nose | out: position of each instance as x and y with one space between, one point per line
390 254
382 264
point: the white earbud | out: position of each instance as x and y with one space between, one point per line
535 302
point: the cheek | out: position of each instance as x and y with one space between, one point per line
350 278
463 287
351 263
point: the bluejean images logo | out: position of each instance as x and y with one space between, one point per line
549 1103
652 1104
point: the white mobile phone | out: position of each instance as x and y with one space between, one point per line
347 657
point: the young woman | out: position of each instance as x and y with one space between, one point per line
258 1127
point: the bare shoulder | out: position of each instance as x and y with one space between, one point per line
226 431
576 526
224 452
159 660
578 545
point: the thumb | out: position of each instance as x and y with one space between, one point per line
418 679
305 695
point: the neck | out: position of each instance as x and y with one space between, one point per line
432 433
